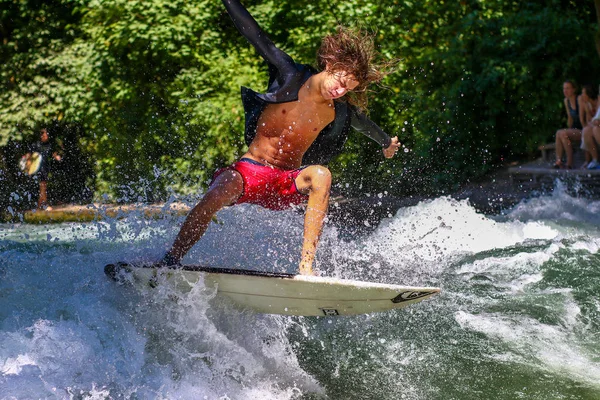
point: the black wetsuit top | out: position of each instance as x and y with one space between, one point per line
45 150
285 80
574 113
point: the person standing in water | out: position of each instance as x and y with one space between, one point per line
292 131
44 148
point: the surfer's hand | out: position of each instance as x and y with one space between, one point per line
56 157
392 149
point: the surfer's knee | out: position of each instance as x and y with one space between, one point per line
320 178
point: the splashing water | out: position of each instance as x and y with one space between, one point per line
518 316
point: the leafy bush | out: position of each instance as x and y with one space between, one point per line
154 86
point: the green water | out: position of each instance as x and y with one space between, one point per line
518 317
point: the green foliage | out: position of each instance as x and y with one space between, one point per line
479 83
154 86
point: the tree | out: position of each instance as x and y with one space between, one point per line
154 86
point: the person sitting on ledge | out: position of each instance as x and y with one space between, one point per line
565 137
591 138
589 96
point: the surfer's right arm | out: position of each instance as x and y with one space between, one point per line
247 26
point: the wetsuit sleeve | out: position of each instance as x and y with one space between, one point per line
247 26
364 125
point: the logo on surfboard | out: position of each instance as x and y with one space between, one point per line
410 295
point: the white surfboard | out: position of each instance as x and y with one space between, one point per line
281 293
30 163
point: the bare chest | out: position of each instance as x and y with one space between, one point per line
295 120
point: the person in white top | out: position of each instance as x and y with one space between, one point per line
591 129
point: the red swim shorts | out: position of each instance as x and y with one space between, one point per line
267 186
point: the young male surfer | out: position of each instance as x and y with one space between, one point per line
303 119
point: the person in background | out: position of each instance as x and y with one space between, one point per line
44 147
565 137
591 137
587 112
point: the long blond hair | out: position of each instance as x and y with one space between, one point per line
353 51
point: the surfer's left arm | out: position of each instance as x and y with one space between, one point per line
249 28
364 125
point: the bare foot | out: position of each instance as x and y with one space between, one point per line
306 270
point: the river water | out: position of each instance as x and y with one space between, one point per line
518 318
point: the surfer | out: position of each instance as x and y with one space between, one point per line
44 148
292 131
